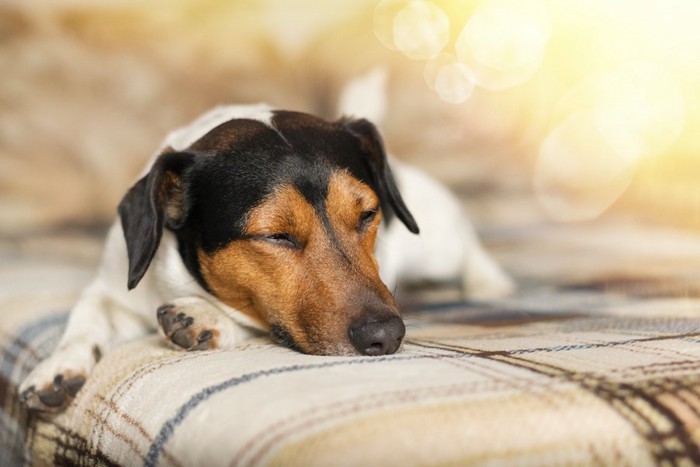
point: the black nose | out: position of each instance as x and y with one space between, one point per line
378 337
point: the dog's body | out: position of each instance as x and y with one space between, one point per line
253 221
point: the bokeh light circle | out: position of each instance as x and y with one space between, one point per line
503 47
578 175
421 29
454 83
449 78
383 21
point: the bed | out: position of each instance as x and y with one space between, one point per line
594 361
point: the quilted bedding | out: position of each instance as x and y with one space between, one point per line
595 361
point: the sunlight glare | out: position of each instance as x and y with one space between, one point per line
421 30
502 47
449 78
639 107
383 21
578 175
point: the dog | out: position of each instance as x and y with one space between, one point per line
252 220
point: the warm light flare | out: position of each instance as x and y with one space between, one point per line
578 174
449 78
502 39
421 29
609 88
418 28
502 47
640 107
612 121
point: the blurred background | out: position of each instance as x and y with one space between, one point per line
556 111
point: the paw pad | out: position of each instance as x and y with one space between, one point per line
182 330
54 396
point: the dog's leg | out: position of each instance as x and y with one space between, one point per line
95 325
194 323
483 278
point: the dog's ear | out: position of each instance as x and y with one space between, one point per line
372 145
157 199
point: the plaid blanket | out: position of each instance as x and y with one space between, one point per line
604 370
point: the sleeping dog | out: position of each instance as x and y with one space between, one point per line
251 220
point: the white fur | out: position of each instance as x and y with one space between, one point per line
185 136
107 313
447 248
365 96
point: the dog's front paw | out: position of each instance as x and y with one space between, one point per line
54 396
55 382
185 324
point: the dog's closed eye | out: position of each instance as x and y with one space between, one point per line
281 239
366 219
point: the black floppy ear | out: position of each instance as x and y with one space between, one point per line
373 146
156 199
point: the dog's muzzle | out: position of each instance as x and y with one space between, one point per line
380 336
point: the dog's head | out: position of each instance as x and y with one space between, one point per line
278 219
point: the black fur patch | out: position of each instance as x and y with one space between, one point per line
234 167
302 151
281 336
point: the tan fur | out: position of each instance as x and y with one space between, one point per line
315 291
